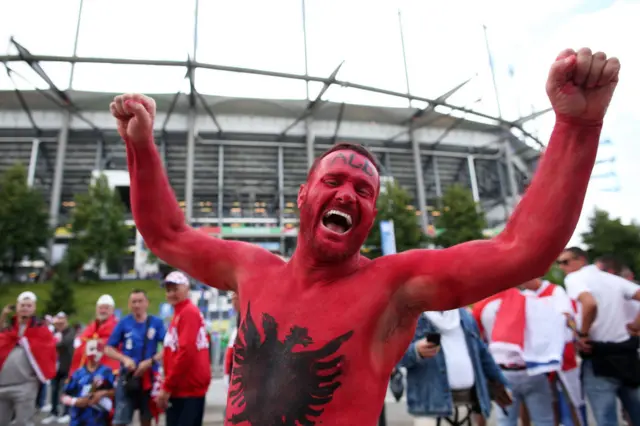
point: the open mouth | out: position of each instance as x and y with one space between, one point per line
337 221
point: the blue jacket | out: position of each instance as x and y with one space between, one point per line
428 392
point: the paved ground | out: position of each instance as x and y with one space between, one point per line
216 397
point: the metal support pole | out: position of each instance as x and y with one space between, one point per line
387 162
404 57
220 184
493 74
75 43
281 185
163 151
99 155
195 31
503 190
511 174
308 122
33 162
58 173
311 154
306 52
473 178
417 165
191 154
63 139
436 177
415 145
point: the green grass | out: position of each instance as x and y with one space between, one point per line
86 294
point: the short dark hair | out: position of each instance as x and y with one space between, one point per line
611 263
346 146
577 252
139 291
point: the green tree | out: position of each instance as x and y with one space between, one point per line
555 275
100 233
394 203
460 219
61 297
610 236
24 220
152 258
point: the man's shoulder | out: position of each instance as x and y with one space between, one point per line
558 289
154 319
126 319
578 276
191 311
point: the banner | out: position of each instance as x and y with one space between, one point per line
387 237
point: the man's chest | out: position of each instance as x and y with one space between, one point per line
134 336
297 352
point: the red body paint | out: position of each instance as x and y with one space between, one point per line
321 334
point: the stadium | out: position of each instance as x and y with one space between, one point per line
236 163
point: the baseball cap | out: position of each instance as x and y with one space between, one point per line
106 299
176 277
27 295
61 315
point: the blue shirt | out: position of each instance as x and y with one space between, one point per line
128 336
80 385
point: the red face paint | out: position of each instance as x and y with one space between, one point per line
339 205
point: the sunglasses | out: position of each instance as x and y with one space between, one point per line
563 262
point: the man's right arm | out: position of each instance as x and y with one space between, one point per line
115 339
578 290
162 224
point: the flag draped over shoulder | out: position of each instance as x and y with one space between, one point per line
100 330
38 343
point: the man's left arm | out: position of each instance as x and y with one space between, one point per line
540 226
632 293
187 328
162 331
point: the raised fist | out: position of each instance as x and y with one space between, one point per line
581 84
135 114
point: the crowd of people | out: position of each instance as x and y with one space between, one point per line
113 368
534 350
527 354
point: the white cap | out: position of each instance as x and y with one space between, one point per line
61 314
106 299
27 295
177 277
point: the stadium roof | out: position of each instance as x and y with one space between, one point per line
93 101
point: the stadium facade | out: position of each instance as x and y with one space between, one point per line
236 164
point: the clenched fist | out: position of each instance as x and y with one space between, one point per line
581 84
135 114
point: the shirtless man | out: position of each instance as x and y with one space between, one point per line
321 333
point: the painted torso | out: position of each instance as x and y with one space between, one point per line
318 354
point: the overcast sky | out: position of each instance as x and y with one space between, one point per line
444 45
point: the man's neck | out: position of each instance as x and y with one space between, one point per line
140 318
310 270
23 320
91 366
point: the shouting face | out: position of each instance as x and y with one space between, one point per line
94 350
338 205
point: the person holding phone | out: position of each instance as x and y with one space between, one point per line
450 373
